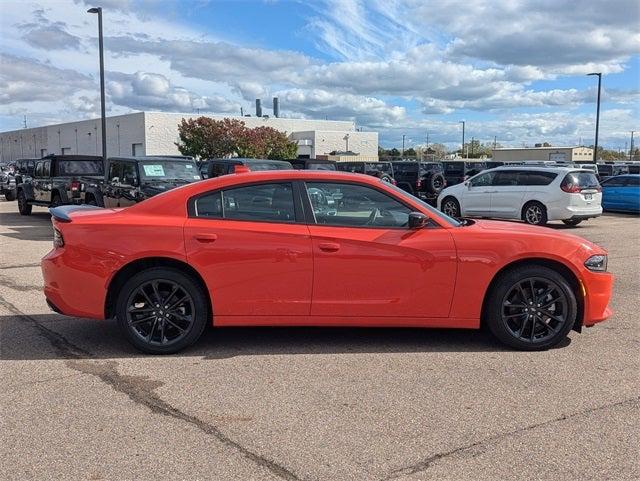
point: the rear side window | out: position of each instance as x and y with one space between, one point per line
405 168
633 181
454 168
506 178
258 203
80 167
536 178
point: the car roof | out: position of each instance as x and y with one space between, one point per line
151 157
539 168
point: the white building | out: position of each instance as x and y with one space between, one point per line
555 154
156 133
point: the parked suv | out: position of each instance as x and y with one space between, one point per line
8 181
608 170
533 194
130 180
424 180
216 167
56 181
382 170
457 171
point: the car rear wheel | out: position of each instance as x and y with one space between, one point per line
531 308
23 206
572 222
162 310
534 213
9 196
56 200
451 207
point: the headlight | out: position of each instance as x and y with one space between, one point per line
597 263
58 241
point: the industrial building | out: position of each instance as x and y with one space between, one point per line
156 133
555 154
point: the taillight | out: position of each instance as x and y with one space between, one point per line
58 240
571 188
75 185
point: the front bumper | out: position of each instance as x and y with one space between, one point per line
597 288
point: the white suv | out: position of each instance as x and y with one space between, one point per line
533 194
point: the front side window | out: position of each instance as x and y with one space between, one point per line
614 182
633 182
129 175
46 169
39 169
258 203
351 205
483 180
114 172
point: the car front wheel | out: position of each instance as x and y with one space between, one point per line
531 308
535 213
451 207
162 310
23 206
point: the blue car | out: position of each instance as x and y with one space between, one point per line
621 193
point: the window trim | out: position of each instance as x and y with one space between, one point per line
297 204
310 216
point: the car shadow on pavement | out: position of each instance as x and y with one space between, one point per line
57 337
34 227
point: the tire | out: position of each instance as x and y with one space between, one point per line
512 314
451 207
534 213
56 200
147 326
571 222
23 206
91 201
435 184
9 196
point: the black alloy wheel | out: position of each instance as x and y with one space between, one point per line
23 206
162 310
532 308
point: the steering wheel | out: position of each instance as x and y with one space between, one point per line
375 214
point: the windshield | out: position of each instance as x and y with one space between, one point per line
80 167
436 213
169 170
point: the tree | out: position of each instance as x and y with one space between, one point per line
394 152
410 152
205 138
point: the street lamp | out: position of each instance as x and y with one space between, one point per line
462 149
595 150
403 136
631 149
98 10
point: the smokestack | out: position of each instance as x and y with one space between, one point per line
258 108
276 107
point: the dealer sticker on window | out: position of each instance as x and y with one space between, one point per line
154 170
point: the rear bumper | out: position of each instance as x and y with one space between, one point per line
597 288
71 291
574 212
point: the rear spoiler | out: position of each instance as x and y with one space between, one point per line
62 213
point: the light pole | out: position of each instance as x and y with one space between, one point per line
462 149
631 149
98 10
595 150
403 136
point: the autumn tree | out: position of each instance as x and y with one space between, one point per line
205 138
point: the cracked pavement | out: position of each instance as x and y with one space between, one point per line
77 402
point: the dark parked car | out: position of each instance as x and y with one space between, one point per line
634 168
8 181
425 180
609 170
56 181
382 170
457 171
216 167
130 180
313 164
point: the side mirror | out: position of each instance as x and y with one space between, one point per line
468 184
417 220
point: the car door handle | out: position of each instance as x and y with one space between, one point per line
205 237
329 246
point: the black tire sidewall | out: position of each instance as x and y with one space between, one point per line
23 207
9 197
493 313
571 222
188 283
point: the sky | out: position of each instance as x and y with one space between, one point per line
513 70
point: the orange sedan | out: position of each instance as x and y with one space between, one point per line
316 248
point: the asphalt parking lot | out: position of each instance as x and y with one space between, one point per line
77 402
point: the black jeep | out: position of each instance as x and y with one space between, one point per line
457 171
56 181
382 170
8 181
133 179
313 164
425 180
216 167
